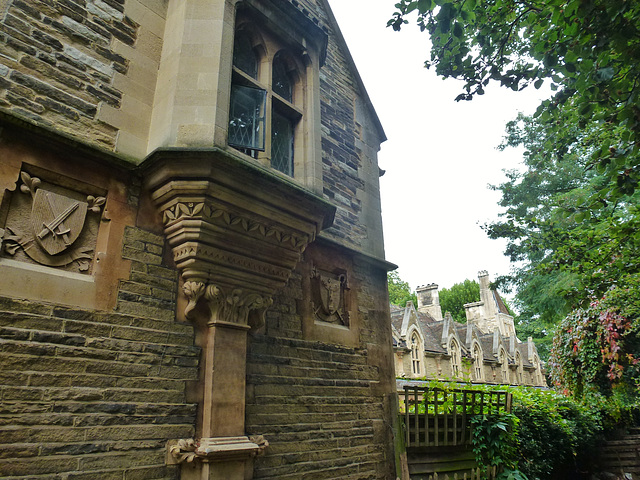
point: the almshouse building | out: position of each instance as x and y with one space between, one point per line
484 350
192 272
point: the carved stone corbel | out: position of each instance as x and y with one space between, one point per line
236 231
193 291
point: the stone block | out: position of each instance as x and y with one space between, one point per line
35 466
134 308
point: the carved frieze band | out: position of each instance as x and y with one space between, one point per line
229 259
216 449
202 210
232 306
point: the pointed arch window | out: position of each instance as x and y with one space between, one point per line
454 351
248 102
266 104
282 83
416 354
244 57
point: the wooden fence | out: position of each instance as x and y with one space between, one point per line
436 417
474 475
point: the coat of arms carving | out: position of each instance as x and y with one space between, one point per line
52 228
329 292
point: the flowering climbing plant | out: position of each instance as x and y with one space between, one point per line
597 348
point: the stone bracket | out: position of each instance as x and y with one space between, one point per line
218 449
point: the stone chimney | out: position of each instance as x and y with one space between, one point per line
428 300
486 295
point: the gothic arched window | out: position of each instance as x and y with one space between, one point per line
416 354
266 104
454 351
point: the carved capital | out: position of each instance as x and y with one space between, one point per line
235 306
217 449
184 450
262 443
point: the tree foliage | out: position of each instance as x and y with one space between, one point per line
572 217
588 51
453 299
399 291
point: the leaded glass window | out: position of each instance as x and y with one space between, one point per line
415 354
455 358
244 58
247 117
282 84
263 117
281 143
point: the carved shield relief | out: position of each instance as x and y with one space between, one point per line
56 220
329 292
51 224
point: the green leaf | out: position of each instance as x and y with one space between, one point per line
605 74
457 30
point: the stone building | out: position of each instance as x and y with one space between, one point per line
485 350
192 273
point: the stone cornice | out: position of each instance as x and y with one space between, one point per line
65 143
358 255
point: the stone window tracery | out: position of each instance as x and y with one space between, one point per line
267 100
416 354
477 362
454 351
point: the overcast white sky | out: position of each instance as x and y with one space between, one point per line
440 155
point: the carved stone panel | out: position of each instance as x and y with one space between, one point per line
51 223
328 292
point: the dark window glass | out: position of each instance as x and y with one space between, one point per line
282 143
281 80
246 119
244 57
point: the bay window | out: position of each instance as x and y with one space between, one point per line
266 104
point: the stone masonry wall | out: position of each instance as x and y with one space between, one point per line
96 395
342 156
341 159
86 67
322 406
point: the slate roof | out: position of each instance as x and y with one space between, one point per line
432 333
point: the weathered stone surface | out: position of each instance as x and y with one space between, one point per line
90 394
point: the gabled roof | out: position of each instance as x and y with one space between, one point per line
502 308
354 70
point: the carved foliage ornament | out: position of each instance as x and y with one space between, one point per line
202 210
56 222
232 306
328 292
207 449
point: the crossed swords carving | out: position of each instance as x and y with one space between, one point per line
56 227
